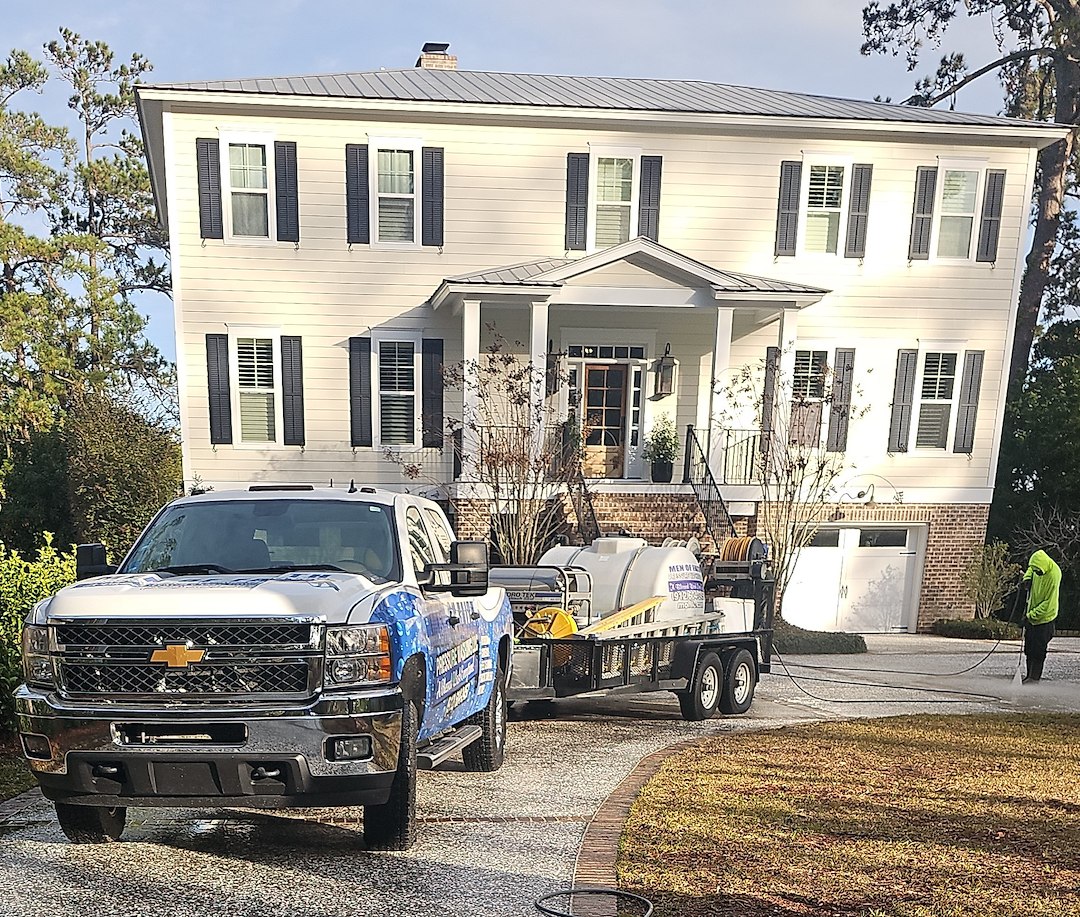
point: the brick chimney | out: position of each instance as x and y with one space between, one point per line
434 56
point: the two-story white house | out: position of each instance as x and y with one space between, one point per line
336 240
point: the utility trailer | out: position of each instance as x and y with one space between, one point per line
708 667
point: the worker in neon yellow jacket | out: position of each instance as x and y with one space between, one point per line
1044 577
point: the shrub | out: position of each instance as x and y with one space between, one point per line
977 629
989 577
791 640
662 443
22 584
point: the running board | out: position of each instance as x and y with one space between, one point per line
438 751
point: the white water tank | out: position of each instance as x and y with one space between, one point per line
626 571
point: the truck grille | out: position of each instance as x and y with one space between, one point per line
281 678
191 660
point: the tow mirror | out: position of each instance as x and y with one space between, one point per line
465 575
90 561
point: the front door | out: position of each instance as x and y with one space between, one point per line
604 420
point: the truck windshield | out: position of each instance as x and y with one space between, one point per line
270 535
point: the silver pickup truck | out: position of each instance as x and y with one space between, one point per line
273 647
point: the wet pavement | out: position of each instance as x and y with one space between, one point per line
490 843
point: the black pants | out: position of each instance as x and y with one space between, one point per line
1037 638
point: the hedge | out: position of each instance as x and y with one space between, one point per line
792 640
22 584
976 629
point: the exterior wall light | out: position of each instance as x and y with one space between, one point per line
664 370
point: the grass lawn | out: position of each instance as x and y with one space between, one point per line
14 774
927 816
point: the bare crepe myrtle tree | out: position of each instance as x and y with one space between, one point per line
797 466
513 449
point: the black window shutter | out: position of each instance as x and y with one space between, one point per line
292 391
217 383
768 396
922 216
990 226
840 407
858 211
431 374
787 208
208 162
964 440
357 215
649 198
431 211
577 201
288 200
903 393
360 391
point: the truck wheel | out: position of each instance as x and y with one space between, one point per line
699 702
740 679
486 753
90 824
392 825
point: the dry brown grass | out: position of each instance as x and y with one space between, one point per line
928 816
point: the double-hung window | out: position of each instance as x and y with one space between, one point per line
248 168
257 386
959 195
808 396
614 196
824 206
937 394
395 183
397 381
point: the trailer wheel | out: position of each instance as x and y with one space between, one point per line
91 824
700 701
392 825
740 679
486 753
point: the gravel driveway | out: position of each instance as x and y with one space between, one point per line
491 843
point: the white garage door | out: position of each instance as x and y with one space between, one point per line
855 579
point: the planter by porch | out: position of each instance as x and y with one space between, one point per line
662 471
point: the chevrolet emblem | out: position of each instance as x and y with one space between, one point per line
177 656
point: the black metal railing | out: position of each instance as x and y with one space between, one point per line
698 474
737 456
587 525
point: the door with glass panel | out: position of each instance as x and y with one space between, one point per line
604 420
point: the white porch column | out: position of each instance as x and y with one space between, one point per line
538 348
788 335
716 402
470 339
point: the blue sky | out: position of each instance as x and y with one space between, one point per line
802 45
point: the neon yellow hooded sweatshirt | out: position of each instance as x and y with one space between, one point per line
1045 576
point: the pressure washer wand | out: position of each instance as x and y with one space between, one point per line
1021 595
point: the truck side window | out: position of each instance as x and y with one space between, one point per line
441 537
419 540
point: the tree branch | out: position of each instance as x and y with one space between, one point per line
982 71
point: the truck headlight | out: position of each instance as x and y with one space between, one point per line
37 662
357 655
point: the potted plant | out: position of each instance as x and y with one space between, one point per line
661 447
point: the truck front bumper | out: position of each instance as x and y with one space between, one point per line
123 755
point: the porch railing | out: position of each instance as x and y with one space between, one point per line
736 458
697 473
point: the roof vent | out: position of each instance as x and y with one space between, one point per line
434 56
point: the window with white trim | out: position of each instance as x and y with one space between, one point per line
808 396
824 208
956 219
937 397
613 195
397 375
395 183
248 177
256 384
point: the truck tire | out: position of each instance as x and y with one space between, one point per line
487 752
392 825
740 679
699 702
90 824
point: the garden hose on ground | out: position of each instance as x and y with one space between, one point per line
642 907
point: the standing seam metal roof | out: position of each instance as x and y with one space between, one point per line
614 93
